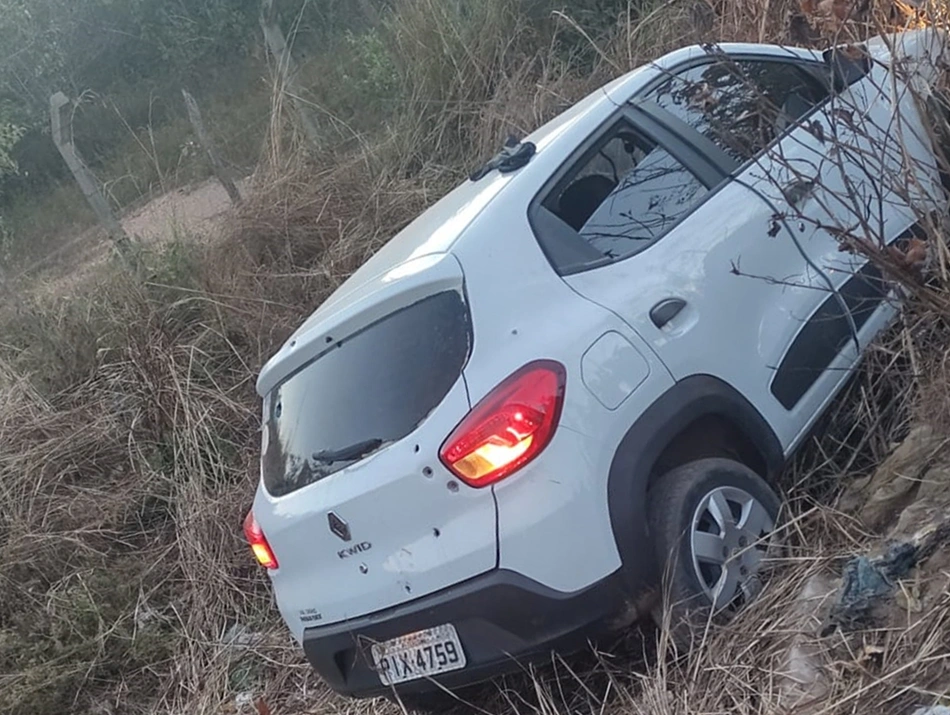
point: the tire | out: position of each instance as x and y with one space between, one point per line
685 508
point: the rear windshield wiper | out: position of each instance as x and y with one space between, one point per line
348 454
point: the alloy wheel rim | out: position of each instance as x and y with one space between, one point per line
729 537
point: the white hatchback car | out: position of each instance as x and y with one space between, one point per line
587 364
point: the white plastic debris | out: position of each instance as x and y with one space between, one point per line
244 703
241 636
803 683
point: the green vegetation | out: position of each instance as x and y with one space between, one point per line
124 62
128 419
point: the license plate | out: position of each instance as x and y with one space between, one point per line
418 655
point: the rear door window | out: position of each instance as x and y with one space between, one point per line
364 392
625 194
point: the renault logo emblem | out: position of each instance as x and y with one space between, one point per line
339 527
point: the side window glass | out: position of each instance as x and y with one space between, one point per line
740 105
625 194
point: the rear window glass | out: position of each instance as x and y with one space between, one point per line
363 393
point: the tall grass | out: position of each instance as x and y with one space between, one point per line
128 420
128 427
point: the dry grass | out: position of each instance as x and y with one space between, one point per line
128 421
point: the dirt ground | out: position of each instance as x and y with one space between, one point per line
193 211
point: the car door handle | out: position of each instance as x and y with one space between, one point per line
667 309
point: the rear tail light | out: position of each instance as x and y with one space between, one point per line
257 540
509 427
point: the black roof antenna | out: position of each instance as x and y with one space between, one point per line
512 157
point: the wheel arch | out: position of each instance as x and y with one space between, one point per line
673 431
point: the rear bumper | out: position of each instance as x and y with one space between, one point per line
503 620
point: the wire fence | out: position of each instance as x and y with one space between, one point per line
56 225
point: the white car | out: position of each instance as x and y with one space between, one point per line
584 367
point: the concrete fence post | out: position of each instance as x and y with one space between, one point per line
207 143
286 68
63 138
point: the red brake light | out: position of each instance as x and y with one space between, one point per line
257 540
509 427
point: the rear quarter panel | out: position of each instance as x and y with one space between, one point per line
553 518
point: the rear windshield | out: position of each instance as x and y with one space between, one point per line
364 392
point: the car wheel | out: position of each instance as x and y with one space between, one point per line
712 523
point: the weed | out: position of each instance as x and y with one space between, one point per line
128 433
